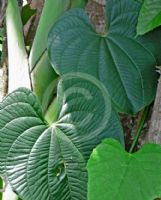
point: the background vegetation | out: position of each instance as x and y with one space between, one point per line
80 89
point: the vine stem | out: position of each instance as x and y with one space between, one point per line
141 123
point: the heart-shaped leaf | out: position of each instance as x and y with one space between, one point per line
116 174
150 16
43 161
124 64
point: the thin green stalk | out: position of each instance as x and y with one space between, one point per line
140 127
1 186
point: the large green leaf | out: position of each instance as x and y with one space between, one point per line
125 64
43 161
47 19
116 174
43 75
150 16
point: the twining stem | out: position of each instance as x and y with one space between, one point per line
141 123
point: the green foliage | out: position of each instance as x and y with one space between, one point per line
47 19
26 13
116 174
1 186
141 1
150 16
44 78
49 162
44 81
78 3
123 63
46 138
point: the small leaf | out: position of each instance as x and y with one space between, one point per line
123 63
116 174
26 13
43 161
149 17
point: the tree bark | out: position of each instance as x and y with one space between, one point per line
154 133
97 15
4 68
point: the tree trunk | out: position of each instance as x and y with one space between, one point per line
96 12
154 133
4 68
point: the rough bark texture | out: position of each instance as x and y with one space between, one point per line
96 12
4 69
154 133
